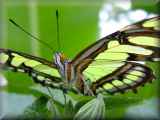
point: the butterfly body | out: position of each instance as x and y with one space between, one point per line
112 64
72 77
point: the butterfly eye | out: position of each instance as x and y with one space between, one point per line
62 57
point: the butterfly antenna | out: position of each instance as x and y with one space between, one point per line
32 36
58 36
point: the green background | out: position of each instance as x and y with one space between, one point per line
78 23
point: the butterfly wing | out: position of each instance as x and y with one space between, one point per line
124 51
129 75
41 70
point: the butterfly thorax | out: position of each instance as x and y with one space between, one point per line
72 78
65 68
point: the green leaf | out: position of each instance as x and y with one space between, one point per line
38 109
61 111
55 107
93 110
69 110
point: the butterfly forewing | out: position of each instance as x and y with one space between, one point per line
124 37
41 70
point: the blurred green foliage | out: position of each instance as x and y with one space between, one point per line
151 6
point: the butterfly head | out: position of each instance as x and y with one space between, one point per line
60 60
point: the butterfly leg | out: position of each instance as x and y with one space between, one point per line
87 90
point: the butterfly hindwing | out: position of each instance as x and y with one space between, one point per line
41 70
128 76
